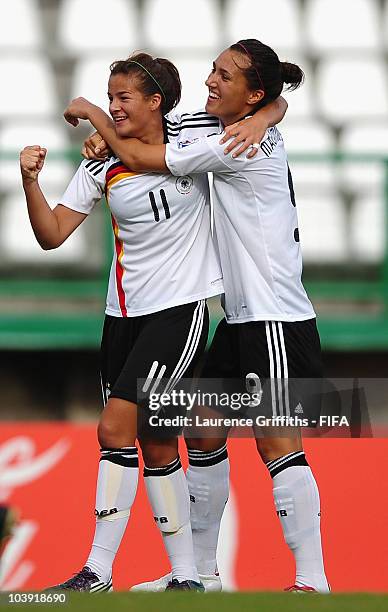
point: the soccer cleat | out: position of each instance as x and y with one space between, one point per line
8 520
185 585
212 584
85 581
296 588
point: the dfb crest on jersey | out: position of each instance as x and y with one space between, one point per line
184 184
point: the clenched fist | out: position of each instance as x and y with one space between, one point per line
32 161
77 109
95 147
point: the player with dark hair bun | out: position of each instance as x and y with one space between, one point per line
266 70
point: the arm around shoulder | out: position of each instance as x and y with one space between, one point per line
135 154
275 111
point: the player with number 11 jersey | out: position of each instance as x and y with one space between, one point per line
164 254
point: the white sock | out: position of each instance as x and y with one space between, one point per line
208 480
297 505
169 497
116 489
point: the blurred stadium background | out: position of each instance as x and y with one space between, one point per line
336 134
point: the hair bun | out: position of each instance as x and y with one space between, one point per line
292 74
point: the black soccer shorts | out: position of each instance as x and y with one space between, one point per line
158 348
280 359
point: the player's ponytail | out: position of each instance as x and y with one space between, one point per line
265 71
292 75
154 76
170 76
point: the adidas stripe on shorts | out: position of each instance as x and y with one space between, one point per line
284 356
158 348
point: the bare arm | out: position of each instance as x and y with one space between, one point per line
138 156
141 157
51 227
249 132
245 133
275 111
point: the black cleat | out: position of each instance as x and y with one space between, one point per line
85 581
185 585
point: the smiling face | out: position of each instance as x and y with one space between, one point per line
230 99
132 112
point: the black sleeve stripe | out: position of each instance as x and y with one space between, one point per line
100 169
95 167
196 114
175 131
93 162
197 117
204 120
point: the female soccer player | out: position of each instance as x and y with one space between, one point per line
163 269
269 331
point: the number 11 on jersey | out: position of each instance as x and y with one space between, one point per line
154 205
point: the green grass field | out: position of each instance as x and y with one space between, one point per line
225 602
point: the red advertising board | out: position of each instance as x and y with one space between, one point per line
48 471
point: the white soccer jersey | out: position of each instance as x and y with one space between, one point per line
164 255
195 124
256 226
